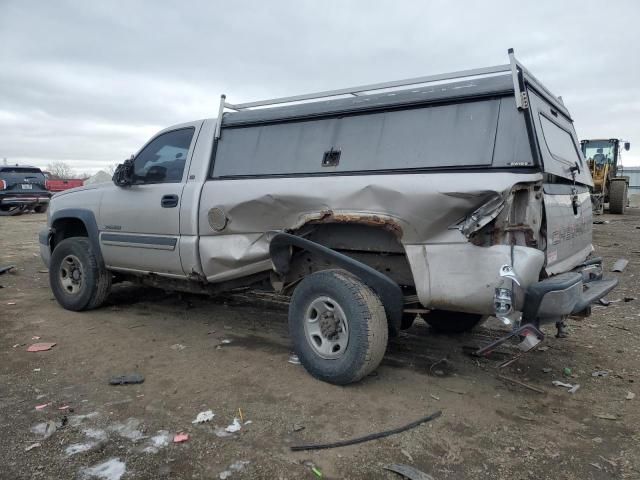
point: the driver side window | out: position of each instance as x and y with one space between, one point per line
163 160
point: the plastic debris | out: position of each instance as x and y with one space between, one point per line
40 347
546 370
297 427
180 437
46 429
605 416
574 389
43 406
294 360
630 396
558 383
158 441
32 446
620 265
234 427
234 467
178 347
205 416
112 469
64 407
36 369
129 429
316 472
408 471
226 341
130 378
566 371
11 303
79 448
600 373
35 337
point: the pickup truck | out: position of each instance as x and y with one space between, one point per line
461 195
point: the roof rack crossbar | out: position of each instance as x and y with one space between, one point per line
355 91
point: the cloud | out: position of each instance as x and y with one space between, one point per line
90 82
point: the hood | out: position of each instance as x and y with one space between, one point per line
94 186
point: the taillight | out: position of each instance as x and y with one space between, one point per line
3 184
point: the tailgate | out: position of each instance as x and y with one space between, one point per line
569 223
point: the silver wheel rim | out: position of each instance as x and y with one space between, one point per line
326 328
71 274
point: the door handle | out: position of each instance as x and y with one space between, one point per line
169 201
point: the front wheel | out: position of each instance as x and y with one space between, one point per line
338 327
443 321
77 280
617 196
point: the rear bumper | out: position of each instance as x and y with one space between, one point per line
25 199
567 293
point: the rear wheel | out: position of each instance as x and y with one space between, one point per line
338 327
617 196
40 208
77 280
444 321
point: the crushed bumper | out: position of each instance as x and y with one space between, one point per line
567 293
24 200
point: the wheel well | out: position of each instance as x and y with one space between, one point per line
66 228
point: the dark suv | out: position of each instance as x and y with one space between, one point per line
22 188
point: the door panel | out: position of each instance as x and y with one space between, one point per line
140 223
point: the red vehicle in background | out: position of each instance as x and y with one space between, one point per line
60 185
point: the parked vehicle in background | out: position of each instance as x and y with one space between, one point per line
22 188
55 186
609 184
465 199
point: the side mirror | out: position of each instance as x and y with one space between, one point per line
627 146
123 176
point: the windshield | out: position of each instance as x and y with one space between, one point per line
600 151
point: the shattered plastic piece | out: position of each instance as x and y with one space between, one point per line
226 341
234 427
205 416
64 407
180 437
43 406
158 441
130 378
112 469
408 472
630 396
36 369
316 471
566 371
178 347
46 429
620 265
575 388
558 383
11 303
294 360
35 337
128 429
40 347
32 446
606 416
600 373
79 448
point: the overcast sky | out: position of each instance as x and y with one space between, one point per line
88 83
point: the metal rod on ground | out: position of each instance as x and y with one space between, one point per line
522 384
366 438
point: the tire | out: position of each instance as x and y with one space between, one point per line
358 315
617 196
443 321
11 210
40 208
93 283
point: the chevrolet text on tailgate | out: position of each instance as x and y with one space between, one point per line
467 198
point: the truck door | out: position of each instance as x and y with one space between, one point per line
140 224
567 200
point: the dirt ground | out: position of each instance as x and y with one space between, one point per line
232 353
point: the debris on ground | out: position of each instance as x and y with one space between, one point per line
294 359
567 371
620 265
6 269
79 448
11 303
158 441
178 347
234 427
406 454
630 396
546 370
43 406
112 469
604 302
226 341
367 438
522 384
40 347
205 416
605 416
571 388
180 437
408 471
297 427
628 299
600 222
574 389
35 337
130 378
32 446
234 467
46 429
130 429
600 373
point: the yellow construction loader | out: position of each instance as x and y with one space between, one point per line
609 184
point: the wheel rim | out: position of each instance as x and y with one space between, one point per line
326 328
71 274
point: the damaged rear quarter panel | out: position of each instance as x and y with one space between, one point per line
420 208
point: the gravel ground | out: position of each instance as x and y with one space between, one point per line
231 353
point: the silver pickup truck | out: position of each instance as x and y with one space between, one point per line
461 195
